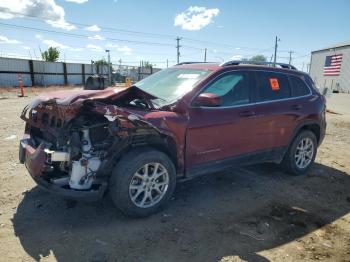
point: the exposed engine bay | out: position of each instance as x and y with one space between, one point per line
80 139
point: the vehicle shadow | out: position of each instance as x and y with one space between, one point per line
234 213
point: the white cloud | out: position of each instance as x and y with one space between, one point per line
5 40
124 49
26 47
112 45
195 17
48 10
93 28
53 43
61 24
77 1
237 57
16 55
95 48
96 37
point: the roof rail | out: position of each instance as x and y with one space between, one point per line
272 64
188 63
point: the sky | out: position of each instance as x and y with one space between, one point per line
135 30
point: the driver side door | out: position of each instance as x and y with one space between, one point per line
216 136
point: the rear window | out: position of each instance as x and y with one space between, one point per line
299 88
272 86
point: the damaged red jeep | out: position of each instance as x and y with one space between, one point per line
191 119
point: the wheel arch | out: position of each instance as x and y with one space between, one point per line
162 143
312 126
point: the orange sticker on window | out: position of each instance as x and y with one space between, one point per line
274 84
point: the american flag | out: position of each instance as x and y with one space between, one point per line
332 65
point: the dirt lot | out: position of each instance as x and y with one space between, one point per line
249 214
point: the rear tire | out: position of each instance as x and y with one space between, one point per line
142 182
301 153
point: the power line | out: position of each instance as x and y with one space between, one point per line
103 28
228 46
156 35
81 35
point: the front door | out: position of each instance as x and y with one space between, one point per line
222 132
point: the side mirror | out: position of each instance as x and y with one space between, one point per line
208 99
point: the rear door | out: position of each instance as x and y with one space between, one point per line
276 110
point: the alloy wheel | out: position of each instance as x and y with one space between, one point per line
148 185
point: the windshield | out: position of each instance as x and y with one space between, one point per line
172 83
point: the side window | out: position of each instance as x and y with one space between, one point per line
299 88
272 86
232 88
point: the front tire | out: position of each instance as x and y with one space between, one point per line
142 182
301 154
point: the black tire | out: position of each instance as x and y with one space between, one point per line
289 161
123 173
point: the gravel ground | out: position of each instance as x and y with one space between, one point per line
249 214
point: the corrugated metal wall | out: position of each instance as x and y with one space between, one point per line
341 82
14 65
44 73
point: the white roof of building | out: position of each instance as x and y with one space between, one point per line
341 44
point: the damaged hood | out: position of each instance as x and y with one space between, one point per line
68 103
68 97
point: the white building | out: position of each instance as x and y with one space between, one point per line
330 67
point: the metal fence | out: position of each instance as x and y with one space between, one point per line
41 73
136 73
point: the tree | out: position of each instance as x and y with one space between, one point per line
147 64
259 58
101 62
51 55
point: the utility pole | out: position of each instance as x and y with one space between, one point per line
276 46
290 56
178 48
205 55
308 68
120 65
109 68
167 63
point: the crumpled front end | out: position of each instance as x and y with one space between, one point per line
71 148
63 150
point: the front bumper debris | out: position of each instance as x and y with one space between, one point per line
37 162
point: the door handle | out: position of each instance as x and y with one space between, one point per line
246 113
296 107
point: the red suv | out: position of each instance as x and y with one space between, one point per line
191 119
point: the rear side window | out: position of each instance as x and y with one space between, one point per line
272 86
299 88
